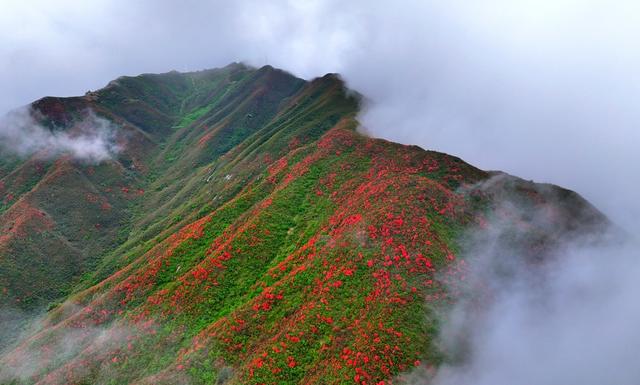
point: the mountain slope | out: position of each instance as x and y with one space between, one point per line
176 127
261 238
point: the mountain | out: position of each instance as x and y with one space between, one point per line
244 233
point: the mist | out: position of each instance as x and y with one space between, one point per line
566 315
93 139
28 361
575 323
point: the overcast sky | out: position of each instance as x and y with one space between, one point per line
544 89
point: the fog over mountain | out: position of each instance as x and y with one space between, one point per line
546 90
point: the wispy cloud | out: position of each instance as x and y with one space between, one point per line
67 345
93 139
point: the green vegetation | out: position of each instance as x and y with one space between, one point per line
246 234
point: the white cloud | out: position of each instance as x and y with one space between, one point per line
92 139
570 318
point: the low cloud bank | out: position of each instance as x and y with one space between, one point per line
570 318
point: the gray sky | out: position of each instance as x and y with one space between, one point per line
543 89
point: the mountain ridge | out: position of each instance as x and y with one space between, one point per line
259 238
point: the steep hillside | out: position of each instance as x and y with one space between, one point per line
175 128
247 234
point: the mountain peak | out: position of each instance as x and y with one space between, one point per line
245 232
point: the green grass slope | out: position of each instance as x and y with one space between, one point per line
262 240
